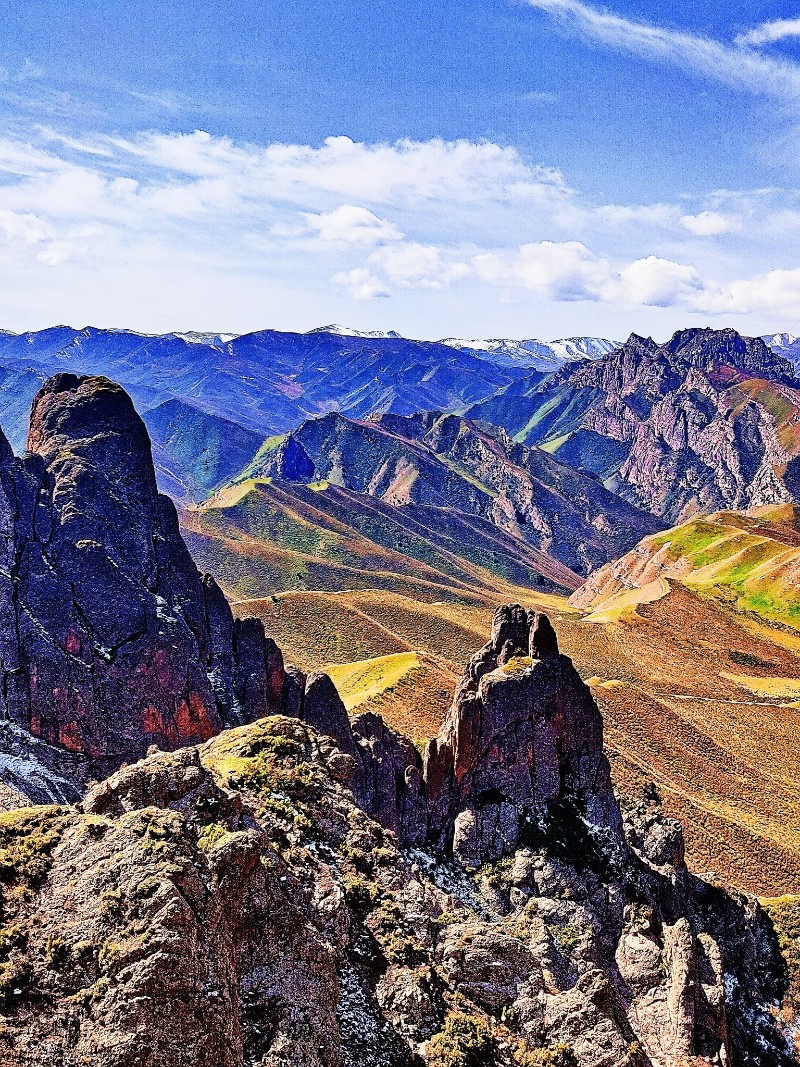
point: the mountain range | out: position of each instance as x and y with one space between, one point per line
270 381
480 865
706 421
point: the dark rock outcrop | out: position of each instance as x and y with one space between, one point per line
111 640
523 734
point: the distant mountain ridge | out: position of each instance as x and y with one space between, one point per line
268 381
704 422
445 461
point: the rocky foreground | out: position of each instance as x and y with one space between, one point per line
288 887
280 896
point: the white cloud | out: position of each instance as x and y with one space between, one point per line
361 284
353 225
570 271
653 282
776 292
770 32
27 228
415 265
439 215
711 223
458 171
558 271
733 65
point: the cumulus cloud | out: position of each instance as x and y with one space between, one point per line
559 271
710 223
27 228
653 282
353 225
570 271
415 265
361 284
435 214
776 292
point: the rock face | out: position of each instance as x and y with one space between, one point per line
234 905
523 734
111 640
700 423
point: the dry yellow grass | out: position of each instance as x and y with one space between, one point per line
364 680
786 688
676 682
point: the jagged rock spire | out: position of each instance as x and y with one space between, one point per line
521 738
110 639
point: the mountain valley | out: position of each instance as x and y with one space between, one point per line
462 849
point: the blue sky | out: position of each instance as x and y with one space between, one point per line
505 168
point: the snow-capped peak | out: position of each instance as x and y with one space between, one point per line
780 340
538 355
196 337
346 331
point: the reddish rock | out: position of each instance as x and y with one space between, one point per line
518 740
111 639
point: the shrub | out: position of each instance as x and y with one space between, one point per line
466 1041
56 951
210 835
567 937
27 837
554 1056
360 895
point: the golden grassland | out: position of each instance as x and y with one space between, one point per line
363 680
694 699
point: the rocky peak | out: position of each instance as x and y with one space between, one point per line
711 350
523 737
111 640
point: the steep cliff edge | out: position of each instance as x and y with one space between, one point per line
110 639
234 905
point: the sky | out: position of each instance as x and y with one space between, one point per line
503 168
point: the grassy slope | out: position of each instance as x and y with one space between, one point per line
714 714
724 758
749 561
260 537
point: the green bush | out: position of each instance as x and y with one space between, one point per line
555 1056
466 1041
360 894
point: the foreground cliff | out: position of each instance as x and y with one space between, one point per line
110 639
276 897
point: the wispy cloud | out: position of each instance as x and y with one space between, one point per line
770 32
735 65
343 220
